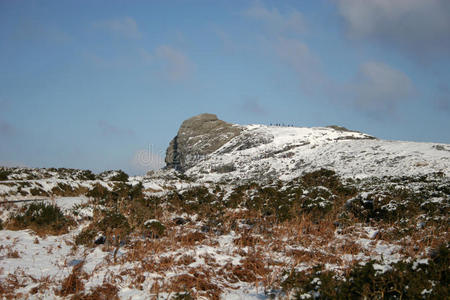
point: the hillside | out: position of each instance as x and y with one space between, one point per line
240 212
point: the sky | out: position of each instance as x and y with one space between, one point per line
105 85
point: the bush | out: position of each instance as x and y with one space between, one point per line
4 174
404 280
98 192
135 192
38 192
1 224
41 217
114 225
154 228
113 221
120 176
86 237
182 296
86 175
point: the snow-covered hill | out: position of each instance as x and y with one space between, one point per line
269 152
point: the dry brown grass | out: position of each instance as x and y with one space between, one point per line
106 291
12 253
73 284
247 240
197 280
191 239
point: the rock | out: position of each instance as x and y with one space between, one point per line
197 137
100 240
75 262
205 228
179 221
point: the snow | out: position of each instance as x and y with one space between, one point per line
350 154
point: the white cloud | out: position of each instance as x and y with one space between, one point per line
419 27
175 64
124 27
277 22
379 88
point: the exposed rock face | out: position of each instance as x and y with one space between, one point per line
198 137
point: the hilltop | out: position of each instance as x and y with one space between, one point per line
232 152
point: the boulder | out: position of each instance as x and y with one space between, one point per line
197 137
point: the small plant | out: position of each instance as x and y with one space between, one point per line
38 192
154 228
98 192
86 237
182 296
104 291
41 217
72 284
4 174
86 175
120 176
114 225
403 280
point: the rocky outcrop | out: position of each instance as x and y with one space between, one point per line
197 137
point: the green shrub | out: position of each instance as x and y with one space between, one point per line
135 192
86 237
4 174
154 228
98 192
1 224
38 192
113 224
65 190
182 296
86 175
113 220
403 280
120 176
41 217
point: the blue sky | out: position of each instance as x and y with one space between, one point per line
106 84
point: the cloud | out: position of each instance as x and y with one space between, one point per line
378 87
253 106
108 129
282 39
418 27
275 21
175 64
124 27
